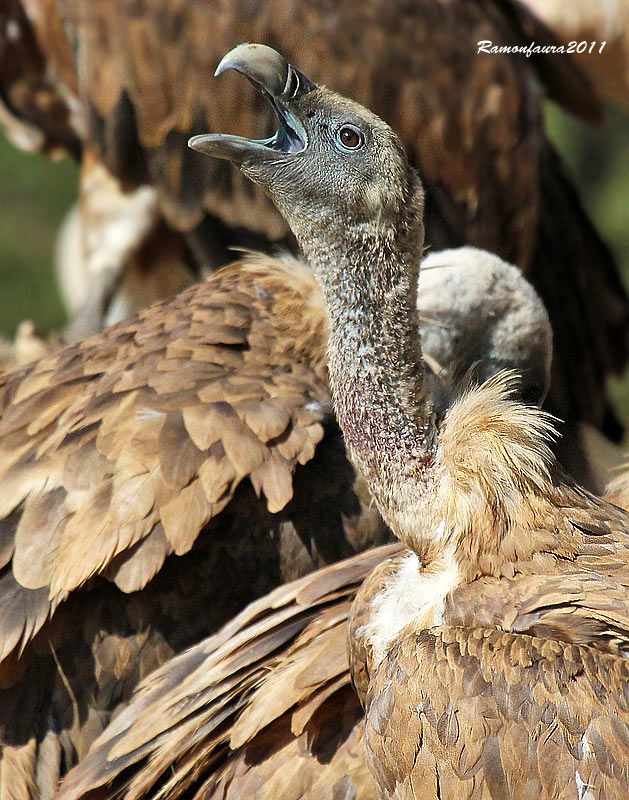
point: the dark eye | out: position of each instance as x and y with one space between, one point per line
350 137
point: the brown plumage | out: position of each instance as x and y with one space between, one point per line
39 107
252 740
518 669
268 697
262 727
493 659
154 479
472 123
126 451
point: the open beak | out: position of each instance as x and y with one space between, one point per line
281 84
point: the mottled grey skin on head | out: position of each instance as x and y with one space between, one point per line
357 214
476 309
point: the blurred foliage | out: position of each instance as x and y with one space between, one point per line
35 193
597 159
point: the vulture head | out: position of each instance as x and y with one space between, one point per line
330 163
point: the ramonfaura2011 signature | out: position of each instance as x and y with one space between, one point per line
528 50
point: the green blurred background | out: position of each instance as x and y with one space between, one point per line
35 193
598 161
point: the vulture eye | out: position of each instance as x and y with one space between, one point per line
350 138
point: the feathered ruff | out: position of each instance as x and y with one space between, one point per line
494 494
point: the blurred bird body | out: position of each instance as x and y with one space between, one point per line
124 227
618 490
605 26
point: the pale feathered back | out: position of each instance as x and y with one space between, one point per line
475 307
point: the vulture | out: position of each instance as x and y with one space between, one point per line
160 475
123 85
153 480
262 709
492 655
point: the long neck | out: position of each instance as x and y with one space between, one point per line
369 279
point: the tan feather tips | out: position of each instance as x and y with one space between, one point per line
298 311
463 712
486 431
145 432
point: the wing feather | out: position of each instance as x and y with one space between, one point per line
118 451
273 680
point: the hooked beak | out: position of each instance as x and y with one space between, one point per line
279 83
